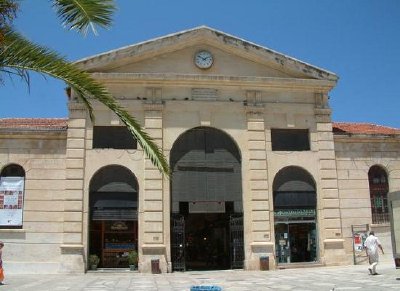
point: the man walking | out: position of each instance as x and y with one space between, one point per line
372 244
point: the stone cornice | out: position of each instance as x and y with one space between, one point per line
202 35
191 80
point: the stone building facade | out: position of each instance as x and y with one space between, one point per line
260 173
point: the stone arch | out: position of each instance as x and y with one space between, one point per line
295 215
113 215
206 200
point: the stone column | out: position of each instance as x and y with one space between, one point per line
151 226
257 223
329 216
72 249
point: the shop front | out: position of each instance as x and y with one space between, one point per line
113 226
295 217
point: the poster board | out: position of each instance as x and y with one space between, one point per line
11 201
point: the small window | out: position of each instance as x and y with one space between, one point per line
290 140
113 137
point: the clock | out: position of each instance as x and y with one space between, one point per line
203 59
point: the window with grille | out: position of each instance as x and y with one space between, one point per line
378 188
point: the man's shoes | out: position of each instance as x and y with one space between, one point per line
375 274
370 271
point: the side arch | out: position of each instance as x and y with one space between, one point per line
113 215
295 215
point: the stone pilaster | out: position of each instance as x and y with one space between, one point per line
151 226
258 189
72 250
329 204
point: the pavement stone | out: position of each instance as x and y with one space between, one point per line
345 278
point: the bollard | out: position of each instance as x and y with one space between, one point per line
155 266
264 263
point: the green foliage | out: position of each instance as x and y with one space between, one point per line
82 14
19 56
93 260
133 258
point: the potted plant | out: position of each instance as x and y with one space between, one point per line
133 259
93 261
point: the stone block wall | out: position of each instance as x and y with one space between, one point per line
35 248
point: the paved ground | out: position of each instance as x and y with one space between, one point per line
321 278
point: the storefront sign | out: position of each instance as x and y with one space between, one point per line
295 213
11 201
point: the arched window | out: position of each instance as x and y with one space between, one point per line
378 189
12 179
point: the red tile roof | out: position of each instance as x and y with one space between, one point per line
363 128
33 124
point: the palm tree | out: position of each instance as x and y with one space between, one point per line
19 56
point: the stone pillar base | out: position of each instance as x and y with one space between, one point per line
259 249
72 260
153 252
334 253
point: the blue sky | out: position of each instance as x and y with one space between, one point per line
359 40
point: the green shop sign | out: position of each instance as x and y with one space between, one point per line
295 213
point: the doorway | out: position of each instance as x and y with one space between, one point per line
206 193
296 242
295 216
113 223
207 241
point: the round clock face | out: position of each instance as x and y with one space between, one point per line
203 59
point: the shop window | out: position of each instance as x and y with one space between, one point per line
290 140
113 137
12 181
378 189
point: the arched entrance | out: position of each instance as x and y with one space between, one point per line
113 220
206 195
295 204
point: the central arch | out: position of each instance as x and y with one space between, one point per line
206 196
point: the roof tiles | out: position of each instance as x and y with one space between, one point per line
363 128
38 124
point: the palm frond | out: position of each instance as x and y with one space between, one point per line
84 14
18 53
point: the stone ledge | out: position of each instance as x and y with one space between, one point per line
153 249
10 230
262 247
334 243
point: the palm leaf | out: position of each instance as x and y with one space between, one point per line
19 54
82 14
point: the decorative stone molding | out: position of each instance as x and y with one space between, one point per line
153 105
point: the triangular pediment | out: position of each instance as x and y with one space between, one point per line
174 54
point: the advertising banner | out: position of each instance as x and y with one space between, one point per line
11 201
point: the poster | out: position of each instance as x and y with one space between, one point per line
11 201
359 239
